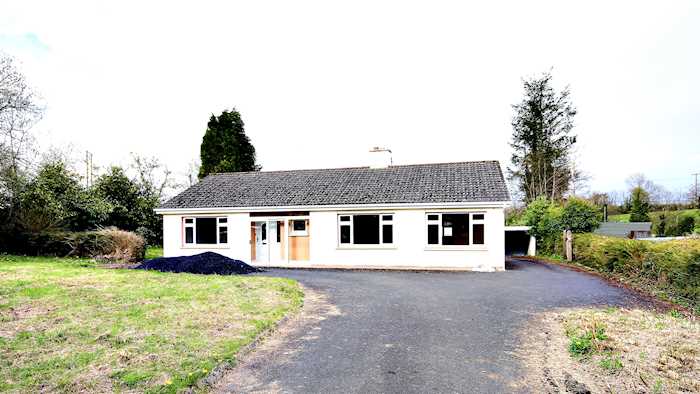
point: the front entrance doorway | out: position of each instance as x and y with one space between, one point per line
269 241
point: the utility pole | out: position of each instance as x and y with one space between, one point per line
696 201
88 169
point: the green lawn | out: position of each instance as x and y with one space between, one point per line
66 325
623 217
152 252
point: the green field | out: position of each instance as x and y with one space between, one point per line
655 215
67 325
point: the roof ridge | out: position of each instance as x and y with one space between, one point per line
355 167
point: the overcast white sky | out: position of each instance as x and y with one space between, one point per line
319 83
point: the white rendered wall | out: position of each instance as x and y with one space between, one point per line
238 237
409 250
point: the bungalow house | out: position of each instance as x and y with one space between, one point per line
425 216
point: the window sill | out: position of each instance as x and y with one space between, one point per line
367 247
471 248
206 246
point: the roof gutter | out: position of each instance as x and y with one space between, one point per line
345 207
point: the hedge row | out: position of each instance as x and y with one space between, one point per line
670 268
107 244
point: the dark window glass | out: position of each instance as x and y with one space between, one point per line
345 218
206 230
223 235
478 216
433 231
223 220
344 234
478 234
387 234
299 225
279 232
365 229
263 232
189 235
387 217
455 229
433 217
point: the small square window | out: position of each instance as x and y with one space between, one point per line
345 218
299 225
433 217
188 221
387 217
223 220
478 216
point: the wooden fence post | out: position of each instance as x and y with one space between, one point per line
569 245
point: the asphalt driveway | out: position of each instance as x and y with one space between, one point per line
399 332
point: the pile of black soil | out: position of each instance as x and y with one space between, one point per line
203 263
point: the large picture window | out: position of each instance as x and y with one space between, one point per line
205 230
366 229
455 229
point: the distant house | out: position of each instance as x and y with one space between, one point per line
434 216
625 230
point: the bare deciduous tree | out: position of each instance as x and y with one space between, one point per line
20 109
657 193
154 175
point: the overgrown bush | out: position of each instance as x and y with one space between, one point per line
543 216
580 216
547 220
673 224
671 268
106 244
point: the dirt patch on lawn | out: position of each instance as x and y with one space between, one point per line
282 344
612 351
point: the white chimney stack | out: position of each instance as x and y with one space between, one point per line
380 157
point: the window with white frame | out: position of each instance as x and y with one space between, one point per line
366 229
207 230
455 228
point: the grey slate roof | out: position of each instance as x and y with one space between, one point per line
478 181
621 229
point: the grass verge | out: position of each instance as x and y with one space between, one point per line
153 252
66 325
614 350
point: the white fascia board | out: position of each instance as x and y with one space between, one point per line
518 228
347 207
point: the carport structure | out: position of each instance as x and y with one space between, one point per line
519 242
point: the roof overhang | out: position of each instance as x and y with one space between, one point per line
348 207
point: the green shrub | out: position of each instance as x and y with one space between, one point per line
543 216
579 216
686 225
670 268
673 224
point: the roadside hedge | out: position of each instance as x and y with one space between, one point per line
107 244
670 269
